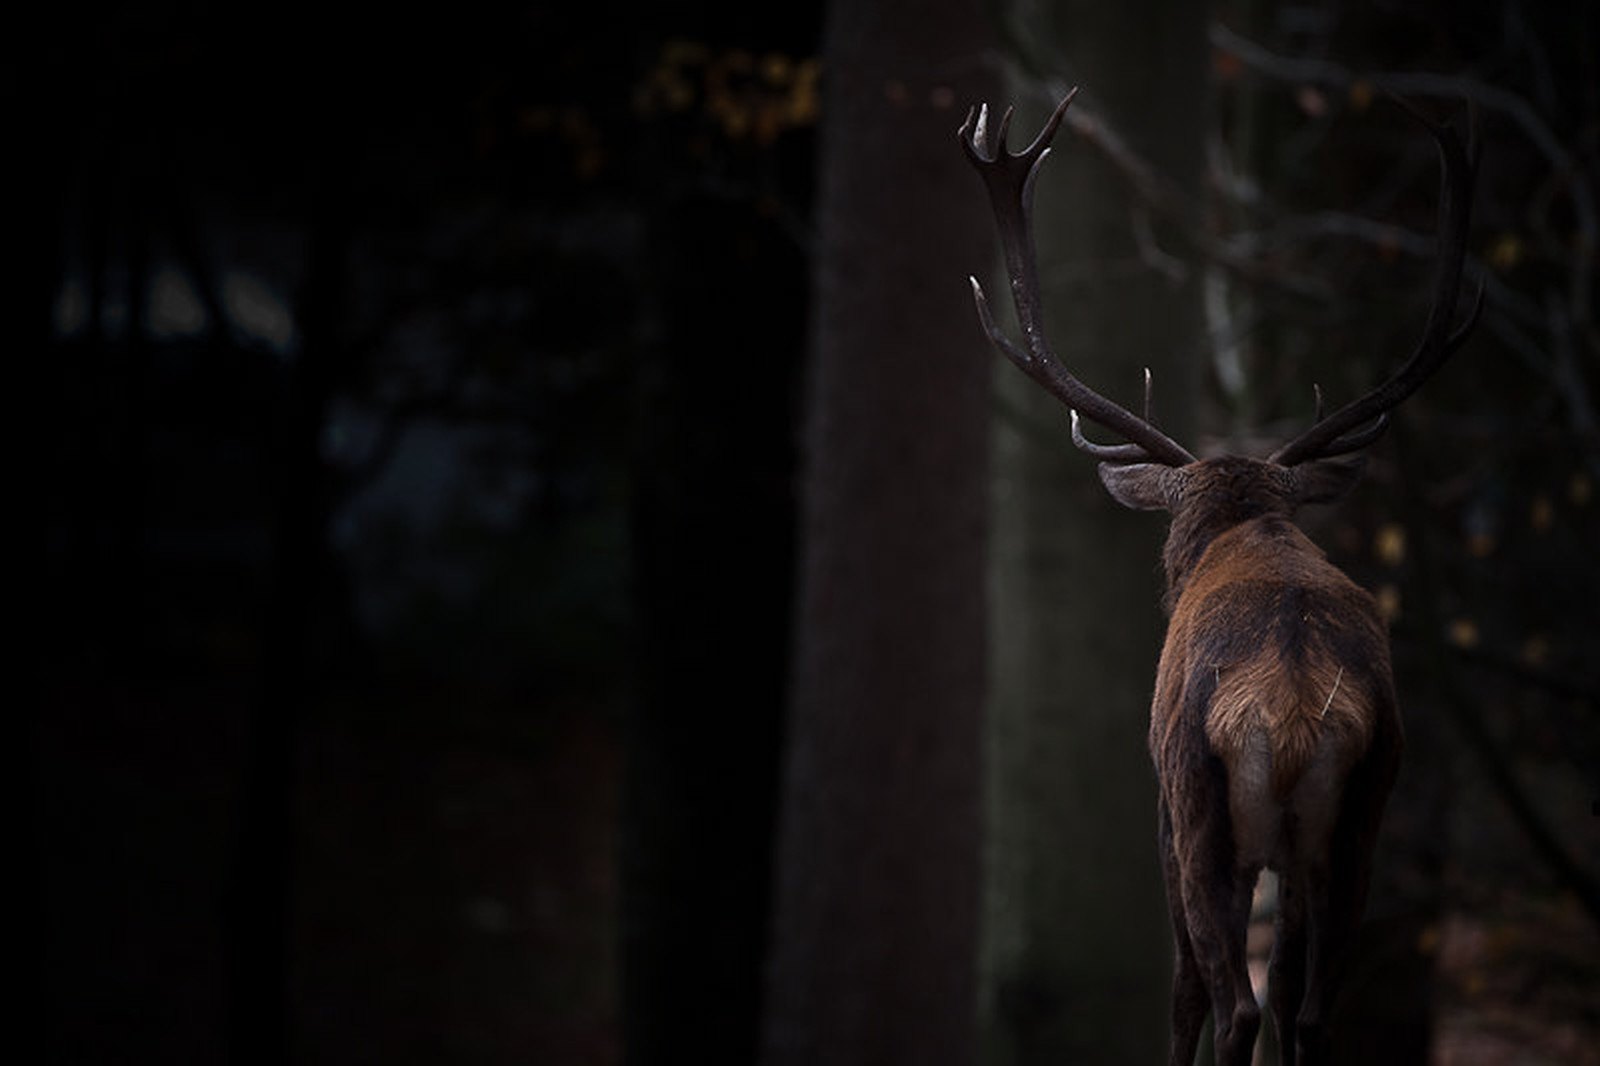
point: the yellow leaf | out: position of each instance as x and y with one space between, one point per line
1388 597
1506 252
776 68
1389 544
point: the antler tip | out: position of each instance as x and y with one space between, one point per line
1005 127
981 302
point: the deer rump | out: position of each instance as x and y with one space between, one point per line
1275 674
1274 726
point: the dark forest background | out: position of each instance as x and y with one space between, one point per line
534 560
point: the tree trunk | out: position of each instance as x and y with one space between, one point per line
1077 952
712 578
259 905
875 930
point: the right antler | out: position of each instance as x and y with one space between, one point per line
1362 421
1009 178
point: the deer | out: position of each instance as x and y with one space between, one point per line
1275 730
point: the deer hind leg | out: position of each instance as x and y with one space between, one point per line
1218 905
1190 1001
1216 890
1286 973
1336 891
1334 902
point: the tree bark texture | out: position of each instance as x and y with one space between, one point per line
875 930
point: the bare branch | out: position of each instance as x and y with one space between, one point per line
1579 185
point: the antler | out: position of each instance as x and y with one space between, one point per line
1009 177
1362 421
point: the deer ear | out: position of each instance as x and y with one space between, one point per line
1141 486
1326 480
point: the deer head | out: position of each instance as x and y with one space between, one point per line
1274 726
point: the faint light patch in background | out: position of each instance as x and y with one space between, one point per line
253 309
71 311
70 315
258 312
175 310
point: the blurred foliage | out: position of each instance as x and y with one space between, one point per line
743 95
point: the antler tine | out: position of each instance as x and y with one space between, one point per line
1117 453
1005 128
997 336
1009 176
1355 440
1124 453
1362 421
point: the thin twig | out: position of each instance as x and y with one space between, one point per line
1578 184
1163 197
1337 678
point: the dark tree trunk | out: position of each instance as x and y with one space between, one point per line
712 556
1077 952
875 931
712 552
259 905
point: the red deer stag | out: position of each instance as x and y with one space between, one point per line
1274 727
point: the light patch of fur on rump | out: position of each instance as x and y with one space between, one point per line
1316 706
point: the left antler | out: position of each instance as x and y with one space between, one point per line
1009 178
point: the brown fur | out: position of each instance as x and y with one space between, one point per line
1275 736
1274 728
1309 676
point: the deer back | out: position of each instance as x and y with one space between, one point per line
1275 663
